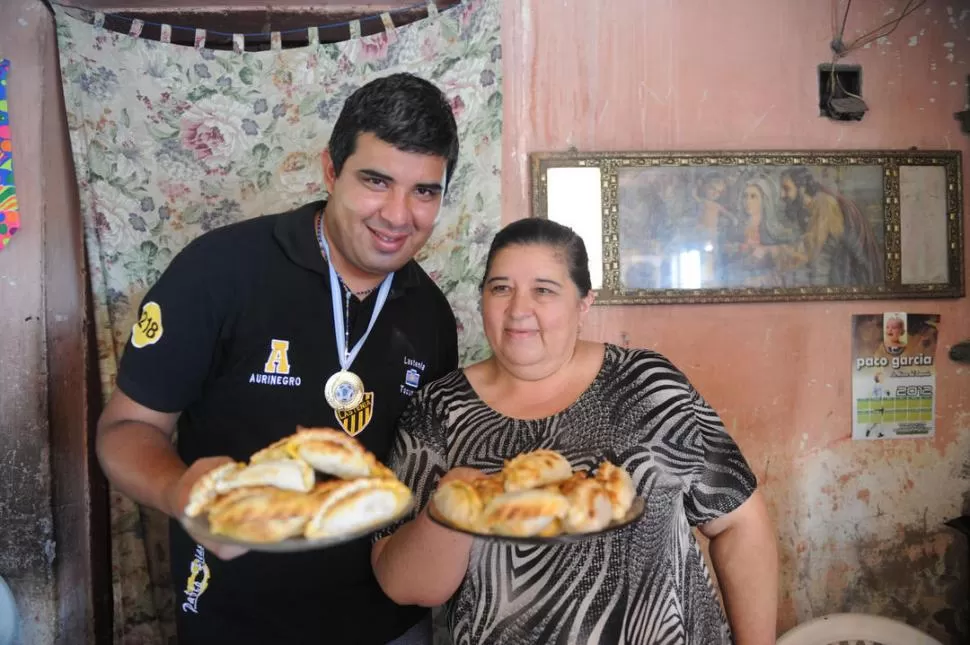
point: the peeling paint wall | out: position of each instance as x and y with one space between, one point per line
860 525
26 524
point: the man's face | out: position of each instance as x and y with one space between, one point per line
382 206
795 207
789 192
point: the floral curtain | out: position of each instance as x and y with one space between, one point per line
171 141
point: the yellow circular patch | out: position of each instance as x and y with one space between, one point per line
148 330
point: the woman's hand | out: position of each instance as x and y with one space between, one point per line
744 553
423 563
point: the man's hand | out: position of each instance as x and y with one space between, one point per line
135 450
177 496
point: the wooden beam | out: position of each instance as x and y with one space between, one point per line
27 538
79 493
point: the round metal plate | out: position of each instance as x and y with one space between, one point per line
636 510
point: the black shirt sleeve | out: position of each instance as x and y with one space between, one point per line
172 343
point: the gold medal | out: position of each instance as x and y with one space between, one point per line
344 390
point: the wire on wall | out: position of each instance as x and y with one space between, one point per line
840 49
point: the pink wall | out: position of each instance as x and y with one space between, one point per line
859 524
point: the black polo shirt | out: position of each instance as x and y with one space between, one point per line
238 334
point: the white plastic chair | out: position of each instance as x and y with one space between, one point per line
9 619
854 629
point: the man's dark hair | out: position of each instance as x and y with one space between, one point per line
802 178
403 110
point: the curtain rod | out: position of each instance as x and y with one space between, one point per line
363 18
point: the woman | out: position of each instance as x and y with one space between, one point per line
761 225
543 387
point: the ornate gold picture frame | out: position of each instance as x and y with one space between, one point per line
694 227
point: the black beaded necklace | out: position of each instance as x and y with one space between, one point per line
346 289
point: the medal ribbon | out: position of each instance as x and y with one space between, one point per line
347 356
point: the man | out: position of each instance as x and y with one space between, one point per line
236 343
838 247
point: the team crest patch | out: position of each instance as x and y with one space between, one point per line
148 330
354 421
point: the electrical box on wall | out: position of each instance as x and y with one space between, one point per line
840 92
964 117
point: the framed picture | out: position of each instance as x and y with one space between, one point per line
693 227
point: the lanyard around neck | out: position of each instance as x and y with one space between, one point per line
347 356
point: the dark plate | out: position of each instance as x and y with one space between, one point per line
636 510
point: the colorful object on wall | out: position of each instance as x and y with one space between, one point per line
894 375
9 217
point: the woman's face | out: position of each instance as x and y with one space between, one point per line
531 310
752 200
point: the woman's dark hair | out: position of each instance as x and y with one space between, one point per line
403 110
535 231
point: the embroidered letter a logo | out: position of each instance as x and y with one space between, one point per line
278 361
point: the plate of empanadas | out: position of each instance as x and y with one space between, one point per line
316 488
538 498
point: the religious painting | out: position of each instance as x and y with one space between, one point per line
716 227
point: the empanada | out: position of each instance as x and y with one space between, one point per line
379 470
535 469
523 513
274 498
277 450
590 508
459 502
287 474
331 451
567 485
552 529
489 487
618 485
352 506
204 490
261 514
